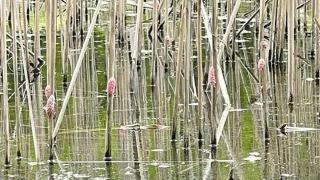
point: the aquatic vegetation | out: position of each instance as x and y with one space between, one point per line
159 89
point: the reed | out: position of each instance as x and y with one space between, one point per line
291 51
4 93
221 74
16 78
77 69
200 71
24 54
38 62
51 54
136 47
177 95
187 73
111 82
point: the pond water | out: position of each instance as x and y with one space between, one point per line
248 145
149 154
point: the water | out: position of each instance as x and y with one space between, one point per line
250 144
80 155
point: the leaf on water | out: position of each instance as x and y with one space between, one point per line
258 103
193 104
222 17
131 14
36 163
129 171
132 127
154 164
252 158
241 40
81 176
309 79
100 178
224 161
12 176
146 51
157 150
164 165
237 110
162 126
246 32
299 129
254 154
287 175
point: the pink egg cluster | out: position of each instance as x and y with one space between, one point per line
50 106
212 77
111 86
261 64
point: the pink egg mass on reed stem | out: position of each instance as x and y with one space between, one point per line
212 77
261 64
111 86
50 106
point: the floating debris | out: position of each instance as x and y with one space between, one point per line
284 129
157 150
252 158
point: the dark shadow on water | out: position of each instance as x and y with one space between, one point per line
231 174
19 169
137 170
213 147
109 170
51 172
174 159
136 155
266 163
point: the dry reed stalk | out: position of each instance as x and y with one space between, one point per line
48 39
77 69
136 46
291 51
24 55
16 78
37 91
221 80
177 83
261 21
51 50
4 93
66 39
112 59
212 112
187 69
220 77
166 58
263 54
155 60
200 71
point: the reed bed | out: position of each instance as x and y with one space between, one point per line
192 67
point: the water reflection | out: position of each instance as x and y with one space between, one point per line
239 142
